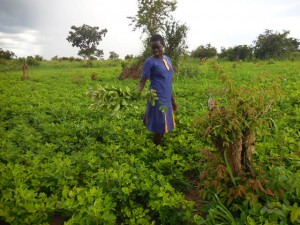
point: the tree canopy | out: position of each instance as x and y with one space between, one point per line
204 51
274 45
113 55
152 14
175 36
239 52
6 54
155 17
87 39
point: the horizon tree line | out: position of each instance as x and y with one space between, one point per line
269 44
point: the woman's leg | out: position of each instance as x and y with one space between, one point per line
157 138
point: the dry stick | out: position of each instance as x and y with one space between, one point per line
266 109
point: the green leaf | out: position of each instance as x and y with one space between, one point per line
295 214
117 108
126 190
229 169
124 102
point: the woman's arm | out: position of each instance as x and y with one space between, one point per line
141 84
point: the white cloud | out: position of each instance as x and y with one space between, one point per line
221 23
56 23
22 44
234 22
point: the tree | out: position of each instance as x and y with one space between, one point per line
54 58
31 61
240 52
113 55
152 14
99 54
175 36
204 51
87 39
274 45
71 59
6 54
128 56
153 17
38 57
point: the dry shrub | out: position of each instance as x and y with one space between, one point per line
94 76
77 79
131 72
234 113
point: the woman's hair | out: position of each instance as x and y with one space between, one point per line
157 37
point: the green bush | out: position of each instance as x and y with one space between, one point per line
32 61
189 70
206 51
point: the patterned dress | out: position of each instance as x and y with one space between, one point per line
160 72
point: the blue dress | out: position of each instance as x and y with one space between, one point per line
160 72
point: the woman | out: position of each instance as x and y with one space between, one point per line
158 68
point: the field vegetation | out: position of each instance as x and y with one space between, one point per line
74 149
62 159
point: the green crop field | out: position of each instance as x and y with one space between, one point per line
61 159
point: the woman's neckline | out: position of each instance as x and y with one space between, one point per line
163 57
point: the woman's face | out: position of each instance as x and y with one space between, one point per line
157 49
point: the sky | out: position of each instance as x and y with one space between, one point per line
40 27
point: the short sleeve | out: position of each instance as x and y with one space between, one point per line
147 69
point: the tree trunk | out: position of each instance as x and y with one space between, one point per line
248 149
239 153
89 62
234 156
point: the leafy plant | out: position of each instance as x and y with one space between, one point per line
188 71
116 99
233 116
58 157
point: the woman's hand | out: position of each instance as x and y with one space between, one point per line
141 85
